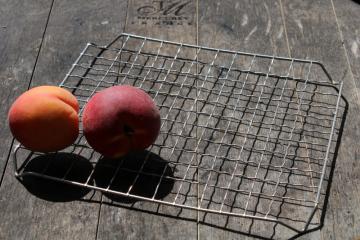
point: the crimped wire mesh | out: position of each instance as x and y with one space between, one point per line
242 134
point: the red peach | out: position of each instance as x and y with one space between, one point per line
119 120
45 119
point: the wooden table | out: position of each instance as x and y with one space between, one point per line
39 40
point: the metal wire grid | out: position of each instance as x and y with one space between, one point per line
242 134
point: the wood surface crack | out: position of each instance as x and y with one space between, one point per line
197 159
284 24
101 198
345 50
29 85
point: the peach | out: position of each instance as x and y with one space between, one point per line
119 120
45 119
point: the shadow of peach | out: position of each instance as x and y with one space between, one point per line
143 174
75 167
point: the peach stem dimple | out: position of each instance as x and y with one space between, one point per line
129 131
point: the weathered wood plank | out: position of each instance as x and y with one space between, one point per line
249 26
144 220
21 29
350 29
313 34
247 29
26 215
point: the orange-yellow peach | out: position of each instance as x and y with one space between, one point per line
119 120
45 119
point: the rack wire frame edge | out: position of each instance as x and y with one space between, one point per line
336 85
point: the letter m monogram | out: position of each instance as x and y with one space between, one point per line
175 7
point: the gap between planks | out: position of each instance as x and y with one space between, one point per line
30 81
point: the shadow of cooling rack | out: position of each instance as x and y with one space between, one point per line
243 136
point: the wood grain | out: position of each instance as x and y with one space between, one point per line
140 219
304 29
349 28
313 34
249 26
21 30
25 213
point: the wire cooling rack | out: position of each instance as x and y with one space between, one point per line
242 134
